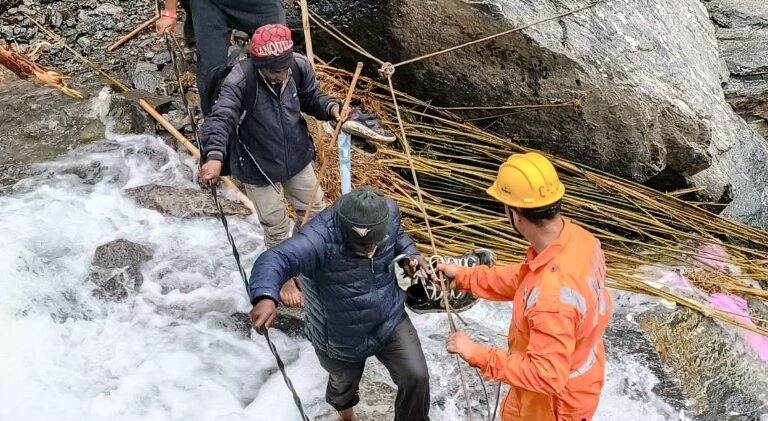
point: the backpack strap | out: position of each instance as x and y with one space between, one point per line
251 91
297 75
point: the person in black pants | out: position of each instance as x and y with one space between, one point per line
214 21
354 308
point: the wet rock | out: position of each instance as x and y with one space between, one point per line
634 120
128 117
625 340
717 375
116 269
290 321
183 203
741 27
240 323
177 118
39 123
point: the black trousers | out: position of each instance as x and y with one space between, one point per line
214 21
404 359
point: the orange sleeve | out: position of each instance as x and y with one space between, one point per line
546 364
497 283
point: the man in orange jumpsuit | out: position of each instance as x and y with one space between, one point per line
556 359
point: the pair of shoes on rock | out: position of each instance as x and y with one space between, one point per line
423 296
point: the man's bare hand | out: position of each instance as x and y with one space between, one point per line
210 171
263 314
165 25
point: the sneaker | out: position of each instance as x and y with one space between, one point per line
364 147
365 126
424 297
368 127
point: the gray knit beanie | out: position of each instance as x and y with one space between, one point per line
363 215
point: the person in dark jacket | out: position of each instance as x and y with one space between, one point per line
213 22
273 156
354 307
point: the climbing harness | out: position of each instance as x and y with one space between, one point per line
235 253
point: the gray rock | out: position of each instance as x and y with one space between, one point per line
651 101
183 203
741 27
116 268
161 57
84 42
56 19
290 321
177 118
6 32
148 81
39 123
127 117
717 375
7 5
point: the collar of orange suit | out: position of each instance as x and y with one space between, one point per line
535 261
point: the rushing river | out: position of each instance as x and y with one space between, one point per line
163 354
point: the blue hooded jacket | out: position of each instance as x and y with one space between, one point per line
274 130
352 303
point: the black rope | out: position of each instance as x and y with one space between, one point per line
235 253
280 364
496 407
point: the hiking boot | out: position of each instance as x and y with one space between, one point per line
367 127
423 296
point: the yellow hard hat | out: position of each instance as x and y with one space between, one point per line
527 181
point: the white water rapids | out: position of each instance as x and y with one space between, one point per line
162 354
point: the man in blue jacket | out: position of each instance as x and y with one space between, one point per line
271 150
354 308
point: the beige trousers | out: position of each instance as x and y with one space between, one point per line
271 205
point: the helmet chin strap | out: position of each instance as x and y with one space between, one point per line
508 211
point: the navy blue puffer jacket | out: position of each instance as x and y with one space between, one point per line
352 303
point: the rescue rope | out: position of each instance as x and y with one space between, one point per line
270 344
490 37
347 41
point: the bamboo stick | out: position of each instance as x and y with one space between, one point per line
194 151
307 34
324 166
133 33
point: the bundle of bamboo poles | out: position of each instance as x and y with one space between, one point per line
639 227
23 65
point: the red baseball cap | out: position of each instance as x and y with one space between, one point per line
272 47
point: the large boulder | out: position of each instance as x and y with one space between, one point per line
39 123
647 78
182 202
720 378
741 27
116 269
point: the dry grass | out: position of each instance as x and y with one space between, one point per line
455 162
